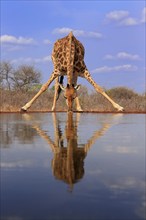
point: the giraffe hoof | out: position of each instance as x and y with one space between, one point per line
121 109
79 110
23 110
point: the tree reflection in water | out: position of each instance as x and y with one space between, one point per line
20 131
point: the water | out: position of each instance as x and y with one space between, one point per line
79 167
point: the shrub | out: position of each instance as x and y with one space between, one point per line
130 100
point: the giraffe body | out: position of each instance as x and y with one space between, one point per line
68 59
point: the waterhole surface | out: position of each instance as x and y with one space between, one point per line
72 166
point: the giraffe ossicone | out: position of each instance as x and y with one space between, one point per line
68 59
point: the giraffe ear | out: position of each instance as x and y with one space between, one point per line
61 86
77 87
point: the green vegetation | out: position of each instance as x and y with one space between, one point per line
18 86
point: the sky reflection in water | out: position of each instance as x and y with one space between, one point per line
72 166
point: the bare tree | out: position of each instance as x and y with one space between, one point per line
22 78
6 73
25 77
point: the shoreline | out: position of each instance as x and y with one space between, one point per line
98 112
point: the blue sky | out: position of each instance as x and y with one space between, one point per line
112 32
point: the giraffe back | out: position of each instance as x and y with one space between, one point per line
68 56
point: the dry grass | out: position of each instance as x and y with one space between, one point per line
130 100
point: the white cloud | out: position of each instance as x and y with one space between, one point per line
93 34
122 18
17 164
47 59
116 15
122 56
9 39
129 21
107 69
31 60
62 30
127 183
143 19
81 33
42 60
125 55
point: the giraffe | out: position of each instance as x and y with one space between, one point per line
68 59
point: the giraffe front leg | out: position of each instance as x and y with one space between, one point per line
87 75
43 89
78 106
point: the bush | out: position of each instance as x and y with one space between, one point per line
130 100
121 92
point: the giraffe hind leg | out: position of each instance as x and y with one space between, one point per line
57 91
87 76
59 88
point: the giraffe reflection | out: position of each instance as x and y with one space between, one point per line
68 164
68 160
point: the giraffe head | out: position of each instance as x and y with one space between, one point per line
70 93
